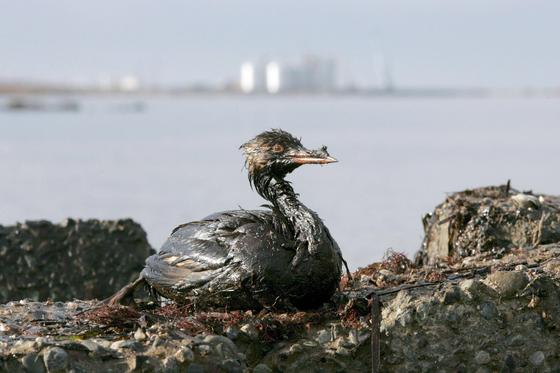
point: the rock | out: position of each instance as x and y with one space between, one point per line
96 348
451 294
523 200
158 342
262 368
474 289
126 343
33 363
250 330
23 347
344 351
488 221
508 365
216 340
232 332
537 358
184 355
323 337
507 283
170 365
482 357
204 350
100 257
195 368
553 267
55 359
139 335
231 366
488 310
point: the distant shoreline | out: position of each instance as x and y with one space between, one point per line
25 89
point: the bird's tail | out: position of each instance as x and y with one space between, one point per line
125 295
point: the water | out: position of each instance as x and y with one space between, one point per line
179 160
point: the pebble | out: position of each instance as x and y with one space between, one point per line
4 328
204 349
451 294
232 332
516 340
231 366
343 351
553 267
170 365
158 342
309 343
126 343
537 358
482 357
473 289
184 354
195 368
488 310
250 330
262 368
353 337
55 359
23 347
323 337
507 283
295 348
32 363
215 340
139 335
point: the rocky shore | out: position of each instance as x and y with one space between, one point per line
483 295
76 259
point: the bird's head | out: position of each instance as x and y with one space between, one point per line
277 153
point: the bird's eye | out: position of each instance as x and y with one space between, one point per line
277 148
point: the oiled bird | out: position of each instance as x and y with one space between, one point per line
283 256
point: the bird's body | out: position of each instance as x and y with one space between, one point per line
242 259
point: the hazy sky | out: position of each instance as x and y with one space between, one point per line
503 43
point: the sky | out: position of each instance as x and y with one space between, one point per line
475 43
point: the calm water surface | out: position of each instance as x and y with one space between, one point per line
178 160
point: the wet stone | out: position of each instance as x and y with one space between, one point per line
451 294
184 354
195 368
232 332
323 337
262 368
96 348
102 259
482 357
126 343
33 363
204 349
507 283
488 310
473 289
537 358
170 365
55 359
139 335
250 330
231 366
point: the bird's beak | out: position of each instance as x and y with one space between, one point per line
312 157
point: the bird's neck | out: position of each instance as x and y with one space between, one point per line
307 226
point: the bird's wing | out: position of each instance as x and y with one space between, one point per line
200 251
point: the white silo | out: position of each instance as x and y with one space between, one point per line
247 79
273 77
